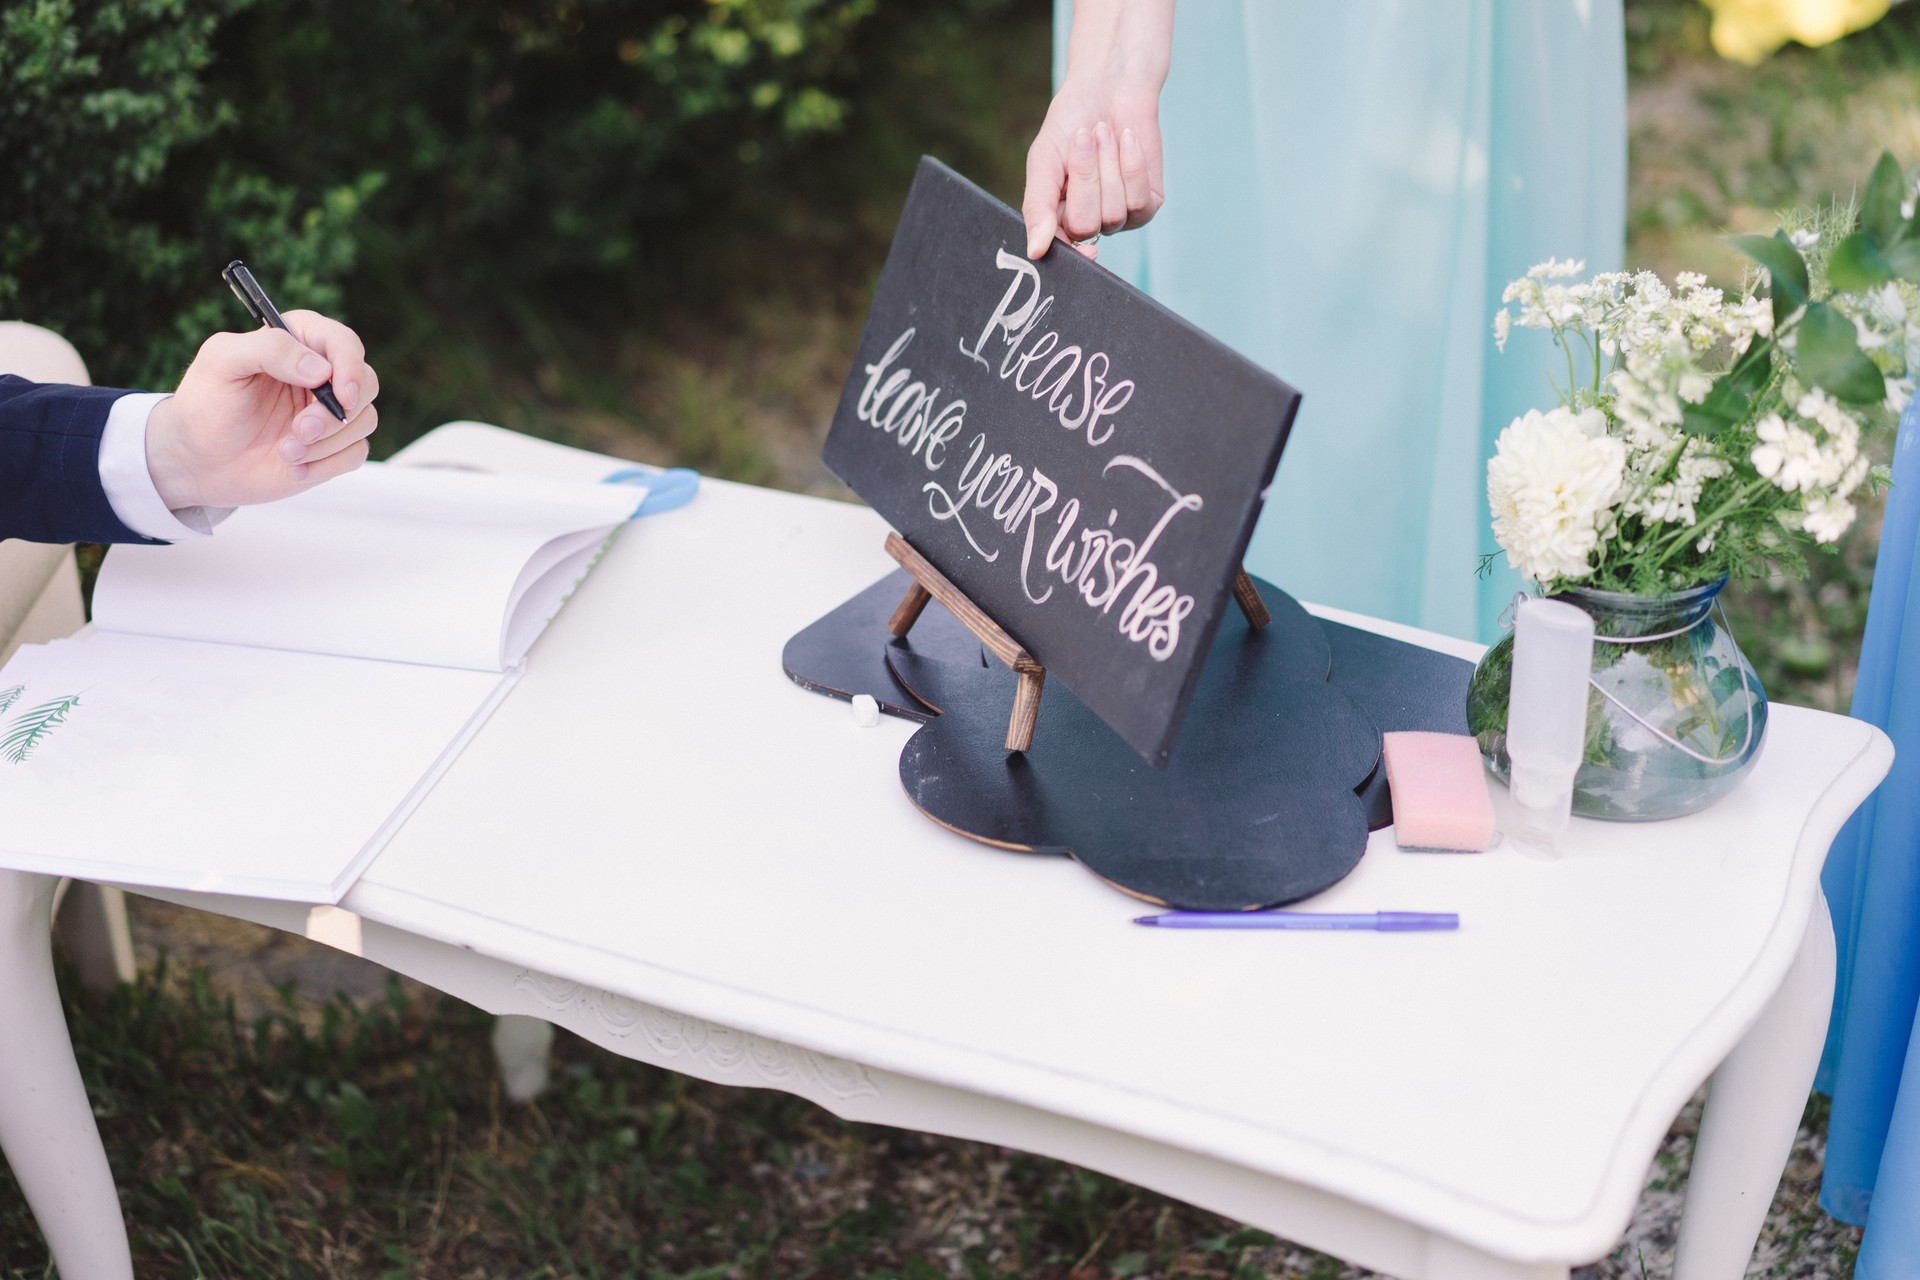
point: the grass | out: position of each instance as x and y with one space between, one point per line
357 1137
370 1139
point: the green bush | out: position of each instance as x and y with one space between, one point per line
525 145
471 157
115 213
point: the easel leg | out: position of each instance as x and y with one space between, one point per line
1026 707
929 583
909 610
1247 596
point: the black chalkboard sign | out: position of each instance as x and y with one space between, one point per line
1079 461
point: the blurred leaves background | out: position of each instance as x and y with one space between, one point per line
496 194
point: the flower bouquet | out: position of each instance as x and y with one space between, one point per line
1699 437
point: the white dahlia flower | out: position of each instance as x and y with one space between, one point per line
1552 483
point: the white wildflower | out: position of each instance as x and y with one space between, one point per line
1786 455
1827 517
1557 269
1550 484
1560 303
1850 479
1886 308
1673 501
1701 463
1755 315
1804 239
1662 504
1832 416
1899 395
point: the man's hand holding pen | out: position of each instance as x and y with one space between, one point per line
243 426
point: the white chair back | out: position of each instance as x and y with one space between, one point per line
39 584
39 354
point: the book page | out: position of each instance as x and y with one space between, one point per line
407 564
209 767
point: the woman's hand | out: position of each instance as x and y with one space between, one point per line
243 426
1094 168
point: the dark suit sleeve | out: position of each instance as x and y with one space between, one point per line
50 488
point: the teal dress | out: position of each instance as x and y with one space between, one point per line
1350 185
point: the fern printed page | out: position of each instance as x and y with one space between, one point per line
257 712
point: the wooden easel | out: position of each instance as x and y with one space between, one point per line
930 584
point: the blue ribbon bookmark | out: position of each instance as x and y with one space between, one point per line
666 490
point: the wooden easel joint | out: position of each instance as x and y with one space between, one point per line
930 584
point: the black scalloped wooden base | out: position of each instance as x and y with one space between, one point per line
839 655
1268 796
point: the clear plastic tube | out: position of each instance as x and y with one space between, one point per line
1547 714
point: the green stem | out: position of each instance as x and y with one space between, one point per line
1699 529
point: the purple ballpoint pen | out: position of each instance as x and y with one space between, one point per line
1381 921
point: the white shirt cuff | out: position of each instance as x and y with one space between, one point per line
129 485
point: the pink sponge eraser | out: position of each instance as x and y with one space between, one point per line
1439 788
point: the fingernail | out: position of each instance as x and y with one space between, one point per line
292 450
312 367
1082 141
298 471
310 428
1104 132
1129 145
348 394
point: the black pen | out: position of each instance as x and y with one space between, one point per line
261 308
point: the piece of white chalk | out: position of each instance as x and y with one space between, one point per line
866 710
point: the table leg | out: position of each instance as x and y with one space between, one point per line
95 934
1754 1102
46 1125
523 1048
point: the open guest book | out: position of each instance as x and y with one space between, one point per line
257 712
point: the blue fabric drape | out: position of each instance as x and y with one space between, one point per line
1872 883
1350 186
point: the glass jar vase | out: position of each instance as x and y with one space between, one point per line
1675 714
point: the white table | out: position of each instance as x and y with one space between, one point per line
662 845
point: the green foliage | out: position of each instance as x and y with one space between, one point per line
526 147
115 211
1732 399
1829 356
1785 266
470 156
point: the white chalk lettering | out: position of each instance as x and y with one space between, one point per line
1009 317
